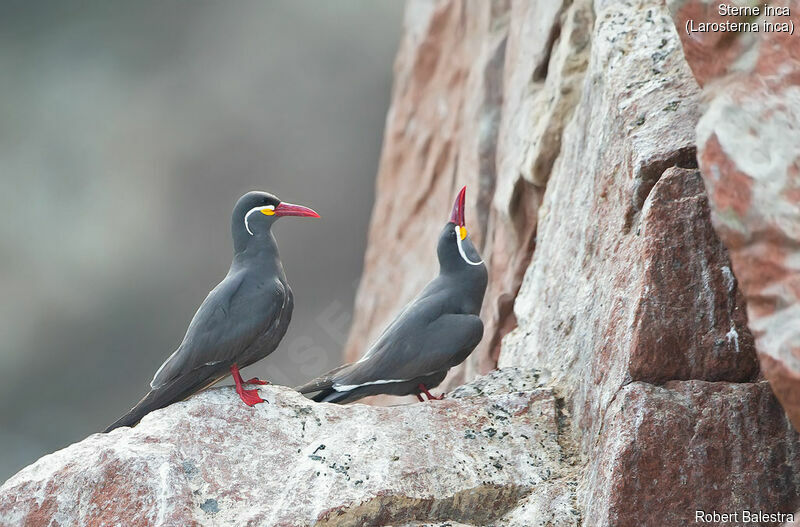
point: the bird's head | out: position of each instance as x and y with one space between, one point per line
455 249
256 211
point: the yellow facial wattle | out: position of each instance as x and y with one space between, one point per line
268 212
462 231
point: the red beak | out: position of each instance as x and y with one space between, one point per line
457 216
288 209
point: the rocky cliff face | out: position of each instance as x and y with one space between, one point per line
630 391
574 125
459 116
749 152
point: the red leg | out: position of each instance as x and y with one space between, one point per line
419 396
249 397
424 390
254 380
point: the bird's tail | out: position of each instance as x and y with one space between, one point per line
332 396
322 383
176 390
150 402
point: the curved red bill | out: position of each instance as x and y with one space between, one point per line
289 209
457 216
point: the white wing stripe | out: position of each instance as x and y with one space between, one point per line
348 387
152 383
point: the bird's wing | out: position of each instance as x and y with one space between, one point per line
424 309
413 350
227 322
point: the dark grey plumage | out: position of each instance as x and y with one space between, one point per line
242 319
433 333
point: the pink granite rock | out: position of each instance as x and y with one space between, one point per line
749 152
629 280
668 452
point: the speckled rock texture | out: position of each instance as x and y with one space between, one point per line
749 153
476 457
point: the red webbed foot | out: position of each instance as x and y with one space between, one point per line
422 388
256 380
249 397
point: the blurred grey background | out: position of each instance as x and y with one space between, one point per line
127 132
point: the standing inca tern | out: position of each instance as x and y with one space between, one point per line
434 332
242 319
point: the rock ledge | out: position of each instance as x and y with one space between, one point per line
470 458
